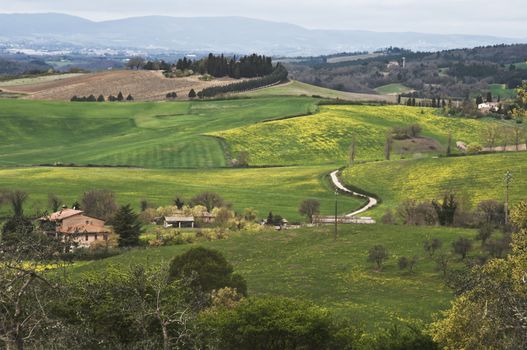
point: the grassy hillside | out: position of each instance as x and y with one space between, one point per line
155 135
297 88
326 136
393 89
500 90
476 178
278 189
308 264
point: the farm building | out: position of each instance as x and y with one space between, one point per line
488 107
178 221
74 226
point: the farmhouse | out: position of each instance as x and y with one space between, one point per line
178 221
74 226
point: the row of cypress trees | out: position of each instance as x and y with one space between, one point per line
278 75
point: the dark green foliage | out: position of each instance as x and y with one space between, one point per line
178 202
410 338
129 98
100 98
207 269
446 210
209 200
271 324
171 96
278 75
18 225
120 96
127 226
192 94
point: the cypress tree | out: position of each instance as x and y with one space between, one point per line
127 226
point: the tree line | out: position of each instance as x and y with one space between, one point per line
279 74
218 66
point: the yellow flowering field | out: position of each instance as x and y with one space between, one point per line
326 136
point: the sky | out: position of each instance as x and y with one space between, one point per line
506 18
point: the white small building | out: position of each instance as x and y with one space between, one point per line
178 221
489 107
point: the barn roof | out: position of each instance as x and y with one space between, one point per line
170 219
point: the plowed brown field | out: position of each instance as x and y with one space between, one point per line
143 85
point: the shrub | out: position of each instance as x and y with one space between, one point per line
208 269
378 254
462 246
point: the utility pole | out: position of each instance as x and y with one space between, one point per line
336 217
507 179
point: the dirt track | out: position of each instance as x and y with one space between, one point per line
143 85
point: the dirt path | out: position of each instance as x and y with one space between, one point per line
371 201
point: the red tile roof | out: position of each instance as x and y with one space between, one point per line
63 214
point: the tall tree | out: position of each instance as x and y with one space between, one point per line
309 208
353 149
127 226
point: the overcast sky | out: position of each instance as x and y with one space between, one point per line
500 18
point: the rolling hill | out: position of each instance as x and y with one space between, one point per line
154 135
326 136
474 178
230 34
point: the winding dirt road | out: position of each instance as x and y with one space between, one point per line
371 201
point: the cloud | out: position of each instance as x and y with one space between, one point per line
447 16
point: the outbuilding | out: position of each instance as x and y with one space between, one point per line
178 221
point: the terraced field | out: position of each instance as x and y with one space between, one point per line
475 178
326 136
154 135
278 189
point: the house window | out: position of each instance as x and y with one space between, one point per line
105 237
95 236
86 237
87 222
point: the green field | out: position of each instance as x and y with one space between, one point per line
496 90
297 88
392 89
475 178
308 264
278 189
154 135
326 136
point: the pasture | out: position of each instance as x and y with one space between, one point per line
297 88
393 89
326 136
309 264
280 190
473 178
153 135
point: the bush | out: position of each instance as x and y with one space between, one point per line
207 269
270 324
378 254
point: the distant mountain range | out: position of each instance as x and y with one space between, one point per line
217 34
